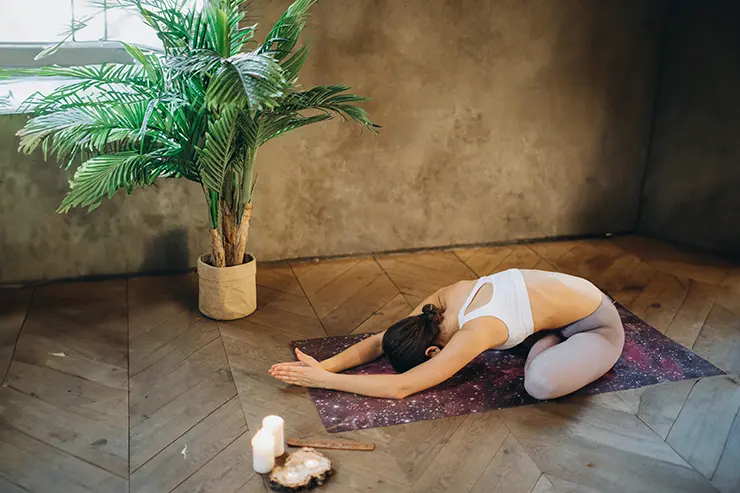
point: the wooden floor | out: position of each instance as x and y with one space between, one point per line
122 385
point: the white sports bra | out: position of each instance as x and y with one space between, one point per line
509 303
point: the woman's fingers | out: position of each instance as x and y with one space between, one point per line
291 363
309 360
288 363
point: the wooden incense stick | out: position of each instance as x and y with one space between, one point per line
331 444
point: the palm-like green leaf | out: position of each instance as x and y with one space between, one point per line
283 36
200 110
331 99
219 148
251 80
279 125
102 176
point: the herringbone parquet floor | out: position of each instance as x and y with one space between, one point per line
123 386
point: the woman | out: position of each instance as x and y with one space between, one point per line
457 323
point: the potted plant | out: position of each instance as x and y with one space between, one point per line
200 110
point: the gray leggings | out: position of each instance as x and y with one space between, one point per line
557 367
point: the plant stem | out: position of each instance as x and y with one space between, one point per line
242 233
228 221
217 246
245 194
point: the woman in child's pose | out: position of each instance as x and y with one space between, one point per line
457 323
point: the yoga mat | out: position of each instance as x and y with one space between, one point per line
495 379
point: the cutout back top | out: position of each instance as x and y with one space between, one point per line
509 303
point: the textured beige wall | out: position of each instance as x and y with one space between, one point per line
692 186
502 120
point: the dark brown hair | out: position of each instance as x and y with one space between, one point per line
405 342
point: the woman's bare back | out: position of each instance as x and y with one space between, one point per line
556 299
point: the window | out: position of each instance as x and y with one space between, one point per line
45 21
29 26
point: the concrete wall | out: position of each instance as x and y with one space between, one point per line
502 120
692 186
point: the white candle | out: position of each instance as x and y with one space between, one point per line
274 425
263 452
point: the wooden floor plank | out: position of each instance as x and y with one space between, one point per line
660 300
89 440
719 339
256 358
192 333
485 260
510 471
545 265
393 311
690 318
287 322
417 444
7 487
552 251
163 426
660 405
465 456
591 260
610 400
701 429
67 356
86 398
297 304
145 398
198 343
186 455
315 275
40 468
489 260
13 308
154 300
228 472
681 262
600 448
544 486
100 304
563 486
416 281
443 262
334 294
278 276
254 485
727 475
360 306
260 399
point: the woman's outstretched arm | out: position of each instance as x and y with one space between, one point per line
366 350
462 349
358 354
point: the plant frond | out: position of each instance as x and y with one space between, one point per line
201 62
293 64
151 63
249 80
96 129
283 36
332 99
277 126
103 176
219 148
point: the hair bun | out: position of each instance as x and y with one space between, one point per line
430 313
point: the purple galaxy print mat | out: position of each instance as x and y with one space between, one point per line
495 379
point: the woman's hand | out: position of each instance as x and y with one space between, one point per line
306 372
